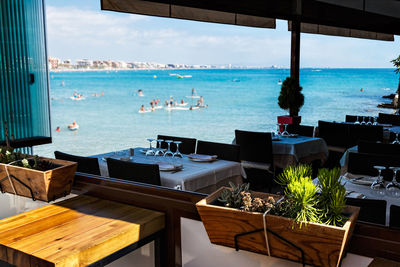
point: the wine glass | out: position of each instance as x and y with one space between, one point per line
285 132
150 151
396 141
168 153
376 120
363 120
393 185
177 155
159 150
278 129
369 121
357 120
378 183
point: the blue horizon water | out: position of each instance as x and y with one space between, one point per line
237 98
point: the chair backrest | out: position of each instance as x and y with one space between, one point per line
223 151
334 134
303 130
389 119
85 164
371 210
255 146
394 220
359 132
378 148
132 171
188 145
363 163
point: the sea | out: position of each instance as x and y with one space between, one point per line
245 99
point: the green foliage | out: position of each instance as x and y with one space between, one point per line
332 198
36 164
293 173
396 64
290 97
8 155
232 197
302 194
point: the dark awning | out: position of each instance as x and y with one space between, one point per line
189 13
375 16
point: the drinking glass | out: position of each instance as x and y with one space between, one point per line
378 183
393 185
159 150
369 121
168 153
150 151
357 120
396 141
375 120
363 120
278 129
177 155
285 132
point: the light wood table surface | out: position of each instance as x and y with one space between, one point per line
76 232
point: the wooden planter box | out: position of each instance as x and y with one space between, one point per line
323 245
45 185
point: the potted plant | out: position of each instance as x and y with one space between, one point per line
291 99
301 226
36 177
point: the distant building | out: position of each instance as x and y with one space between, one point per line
84 63
54 62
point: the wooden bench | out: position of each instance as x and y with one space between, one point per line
79 231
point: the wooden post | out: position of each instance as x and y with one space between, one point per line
295 51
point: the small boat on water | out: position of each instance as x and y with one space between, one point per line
77 98
73 126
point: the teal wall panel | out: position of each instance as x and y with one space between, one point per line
24 95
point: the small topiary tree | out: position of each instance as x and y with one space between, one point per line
291 97
396 64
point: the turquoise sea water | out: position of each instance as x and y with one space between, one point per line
236 99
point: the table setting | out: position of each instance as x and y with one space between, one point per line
193 172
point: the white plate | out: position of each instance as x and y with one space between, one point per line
202 158
167 167
359 179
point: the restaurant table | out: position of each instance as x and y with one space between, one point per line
359 190
80 231
205 177
292 150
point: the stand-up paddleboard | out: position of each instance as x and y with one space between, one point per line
176 108
182 105
144 111
158 107
193 96
73 128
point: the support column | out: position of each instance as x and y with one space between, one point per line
295 51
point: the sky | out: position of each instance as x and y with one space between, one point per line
79 29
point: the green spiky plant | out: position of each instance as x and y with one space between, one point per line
293 173
332 199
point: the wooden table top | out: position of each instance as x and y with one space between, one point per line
74 232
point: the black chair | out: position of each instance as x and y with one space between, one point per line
257 147
223 151
188 145
371 210
389 119
303 130
334 134
132 171
85 164
359 132
378 148
394 220
363 163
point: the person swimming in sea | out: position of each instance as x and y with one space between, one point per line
142 109
58 129
140 92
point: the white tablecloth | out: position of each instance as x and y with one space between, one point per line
193 177
391 197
